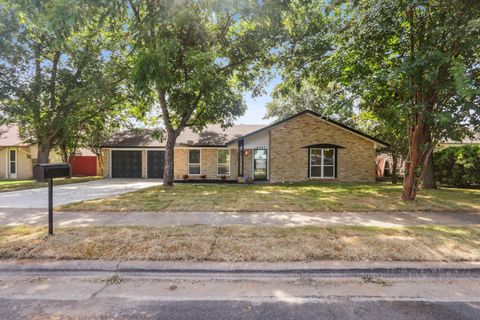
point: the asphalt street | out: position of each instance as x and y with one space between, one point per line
57 292
334 309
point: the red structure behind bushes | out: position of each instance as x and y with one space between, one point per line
84 166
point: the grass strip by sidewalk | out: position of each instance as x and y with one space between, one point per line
235 243
13 185
309 197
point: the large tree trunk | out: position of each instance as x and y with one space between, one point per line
43 153
429 175
168 173
394 168
416 137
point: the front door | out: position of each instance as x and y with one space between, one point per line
156 161
260 164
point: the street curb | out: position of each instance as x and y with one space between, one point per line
325 269
444 273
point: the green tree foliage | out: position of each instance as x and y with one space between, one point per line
458 166
333 101
197 57
61 65
415 58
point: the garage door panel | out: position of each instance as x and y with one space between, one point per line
156 161
126 164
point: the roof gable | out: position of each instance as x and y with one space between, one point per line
10 136
326 119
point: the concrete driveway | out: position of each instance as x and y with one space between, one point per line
38 198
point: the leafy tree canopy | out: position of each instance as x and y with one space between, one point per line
61 65
418 59
333 101
197 57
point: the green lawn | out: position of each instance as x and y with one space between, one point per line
237 243
283 197
12 185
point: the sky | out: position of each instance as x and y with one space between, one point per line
256 106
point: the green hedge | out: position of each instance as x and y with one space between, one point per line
458 166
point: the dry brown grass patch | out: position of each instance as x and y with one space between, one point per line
235 243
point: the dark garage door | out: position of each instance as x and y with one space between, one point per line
156 161
126 164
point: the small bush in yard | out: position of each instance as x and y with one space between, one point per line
203 176
185 177
458 166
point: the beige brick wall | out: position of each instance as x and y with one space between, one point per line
289 161
180 163
3 163
24 163
208 163
248 164
106 162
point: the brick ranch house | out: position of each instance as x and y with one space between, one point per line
306 146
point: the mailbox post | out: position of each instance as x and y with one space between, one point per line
51 171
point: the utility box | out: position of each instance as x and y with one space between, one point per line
51 170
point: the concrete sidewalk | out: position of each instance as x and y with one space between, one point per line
12 217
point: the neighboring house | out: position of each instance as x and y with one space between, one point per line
18 157
16 160
385 165
305 146
384 160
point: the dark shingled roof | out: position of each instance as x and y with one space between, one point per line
10 136
211 136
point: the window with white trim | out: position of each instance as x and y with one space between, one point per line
194 156
223 162
322 163
13 162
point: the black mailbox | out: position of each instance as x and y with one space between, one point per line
51 170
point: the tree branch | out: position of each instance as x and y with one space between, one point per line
164 106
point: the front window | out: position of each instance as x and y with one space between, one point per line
13 162
194 161
223 162
322 163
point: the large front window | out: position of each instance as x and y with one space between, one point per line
322 163
194 161
223 162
